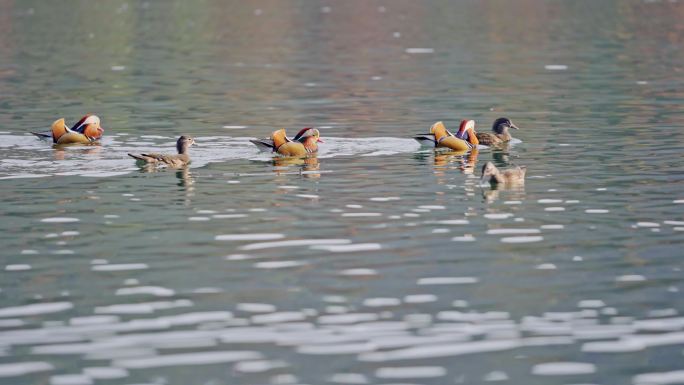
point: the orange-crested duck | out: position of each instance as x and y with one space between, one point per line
508 178
499 134
176 161
304 143
439 137
85 131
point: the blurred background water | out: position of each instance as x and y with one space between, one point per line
377 262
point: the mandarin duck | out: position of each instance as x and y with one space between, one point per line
499 134
508 178
85 131
439 137
304 143
176 161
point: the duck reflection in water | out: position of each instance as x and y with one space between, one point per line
187 183
501 154
185 178
308 166
60 152
462 160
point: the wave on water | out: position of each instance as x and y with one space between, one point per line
24 156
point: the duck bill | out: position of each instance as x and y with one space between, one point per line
319 140
514 126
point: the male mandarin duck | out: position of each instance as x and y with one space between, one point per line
85 131
508 178
500 133
304 143
176 161
439 137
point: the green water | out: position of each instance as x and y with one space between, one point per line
376 262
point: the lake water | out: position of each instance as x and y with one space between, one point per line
377 262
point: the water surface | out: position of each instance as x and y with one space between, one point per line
376 262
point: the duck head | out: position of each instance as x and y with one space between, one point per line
489 170
89 126
305 133
183 143
309 137
502 125
466 131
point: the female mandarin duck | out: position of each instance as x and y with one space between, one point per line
439 137
508 178
500 133
176 161
304 143
85 131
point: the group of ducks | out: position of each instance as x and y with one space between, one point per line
467 138
88 130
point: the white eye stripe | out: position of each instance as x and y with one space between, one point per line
91 120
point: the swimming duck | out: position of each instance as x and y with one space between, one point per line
509 177
178 160
500 133
85 131
305 142
439 137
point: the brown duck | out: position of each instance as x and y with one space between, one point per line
176 161
499 134
304 143
508 178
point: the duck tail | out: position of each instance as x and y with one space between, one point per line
42 135
523 169
425 139
263 144
137 157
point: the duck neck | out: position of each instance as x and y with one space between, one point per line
310 143
472 138
90 132
503 133
182 148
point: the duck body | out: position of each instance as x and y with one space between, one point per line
175 161
499 134
87 130
489 139
304 143
440 137
508 178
